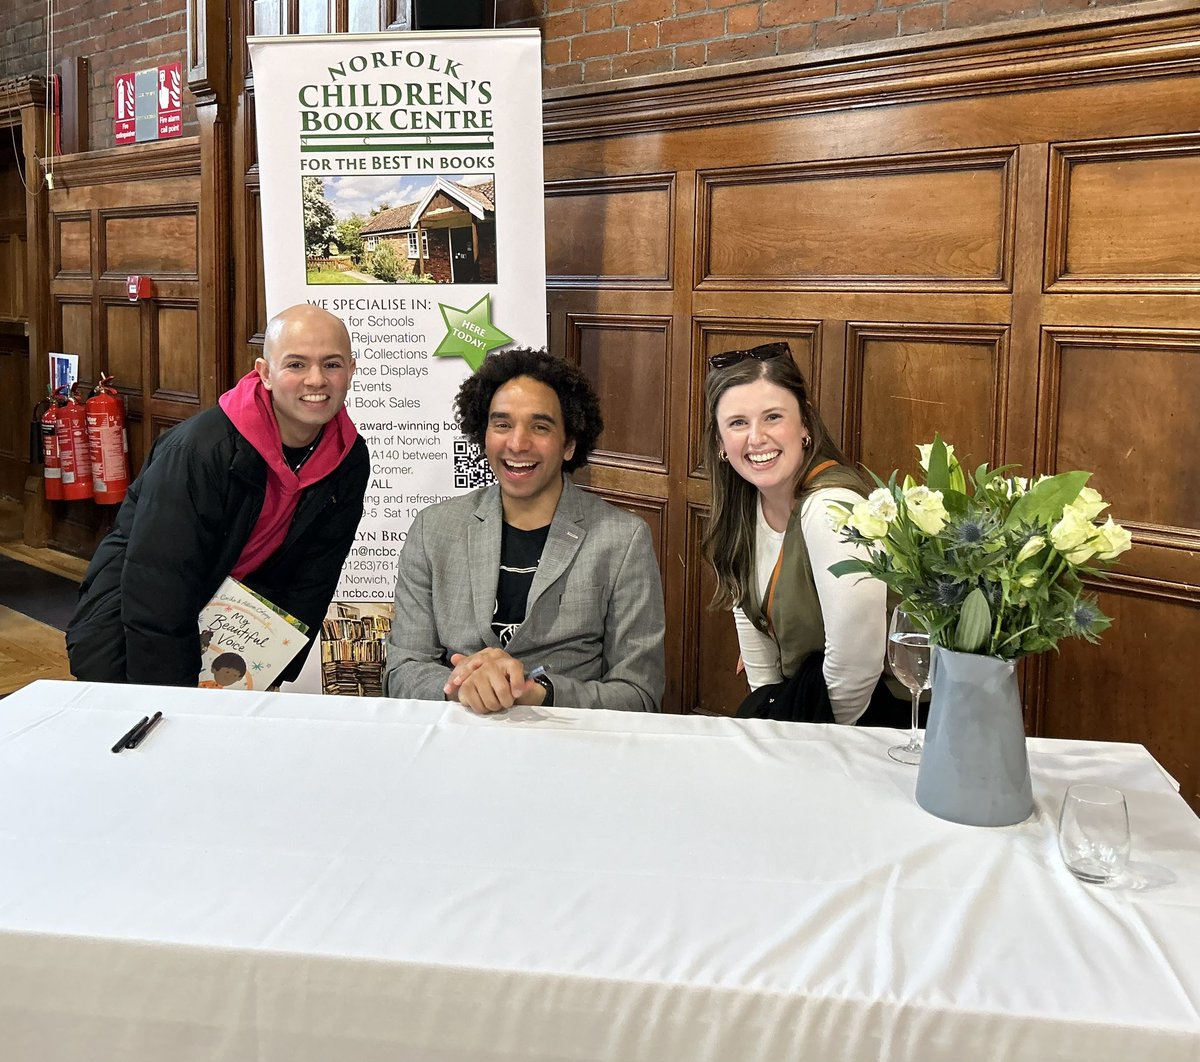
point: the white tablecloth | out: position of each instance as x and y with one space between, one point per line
290 879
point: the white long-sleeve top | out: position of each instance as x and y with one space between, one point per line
854 610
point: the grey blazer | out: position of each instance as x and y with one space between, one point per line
594 616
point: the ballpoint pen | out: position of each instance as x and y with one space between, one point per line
140 735
132 731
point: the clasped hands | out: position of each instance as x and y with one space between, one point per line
490 681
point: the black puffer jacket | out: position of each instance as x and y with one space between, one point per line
179 533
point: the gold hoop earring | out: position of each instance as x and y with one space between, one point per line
722 455
807 442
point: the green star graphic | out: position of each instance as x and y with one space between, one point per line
470 334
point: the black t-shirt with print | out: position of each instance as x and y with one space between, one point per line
520 552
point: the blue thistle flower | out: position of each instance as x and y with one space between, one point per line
994 593
1084 615
968 532
947 592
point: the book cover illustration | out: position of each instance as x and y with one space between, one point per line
245 640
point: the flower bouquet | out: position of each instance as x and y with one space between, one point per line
992 570
996 569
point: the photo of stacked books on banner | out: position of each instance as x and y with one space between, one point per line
352 649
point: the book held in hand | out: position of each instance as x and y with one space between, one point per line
246 641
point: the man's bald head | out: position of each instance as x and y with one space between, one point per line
310 320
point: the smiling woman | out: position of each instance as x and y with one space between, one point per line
812 649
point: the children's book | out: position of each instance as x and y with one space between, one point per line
246 641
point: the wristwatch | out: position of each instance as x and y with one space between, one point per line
544 681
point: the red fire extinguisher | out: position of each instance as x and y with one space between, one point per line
48 428
73 454
108 448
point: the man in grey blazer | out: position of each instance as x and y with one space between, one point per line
530 591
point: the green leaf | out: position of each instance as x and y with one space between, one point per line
974 622
849 567
956 502
938 477
1044 503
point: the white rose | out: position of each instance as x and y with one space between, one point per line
1112 541
867 523
882 505
1089 503
926 509
1074 536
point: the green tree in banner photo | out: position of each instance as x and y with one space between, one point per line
320 226
349 236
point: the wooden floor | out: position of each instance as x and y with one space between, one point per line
30 650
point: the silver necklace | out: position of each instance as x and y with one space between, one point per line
307 454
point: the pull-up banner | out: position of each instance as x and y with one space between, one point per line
401 189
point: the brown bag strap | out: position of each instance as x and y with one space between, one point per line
816 470
812 474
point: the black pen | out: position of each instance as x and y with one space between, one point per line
132 730
140 736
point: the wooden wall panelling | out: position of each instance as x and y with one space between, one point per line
640 208
650 509
248 306
175 353
904 383
72 246
1122 402
1027 312
940 221
214 35
711 682
14 429
1125 216
72 333
12 272
158 241
121 339
24 301
131 210
1147 383
681 618
628 361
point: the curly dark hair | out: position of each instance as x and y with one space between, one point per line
581 410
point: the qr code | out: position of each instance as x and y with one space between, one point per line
471 469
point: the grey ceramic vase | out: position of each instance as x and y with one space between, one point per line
974 767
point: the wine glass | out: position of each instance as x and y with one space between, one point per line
908 654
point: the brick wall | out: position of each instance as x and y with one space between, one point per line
114 35
587 41
22 38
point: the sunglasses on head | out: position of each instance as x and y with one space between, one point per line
763 352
